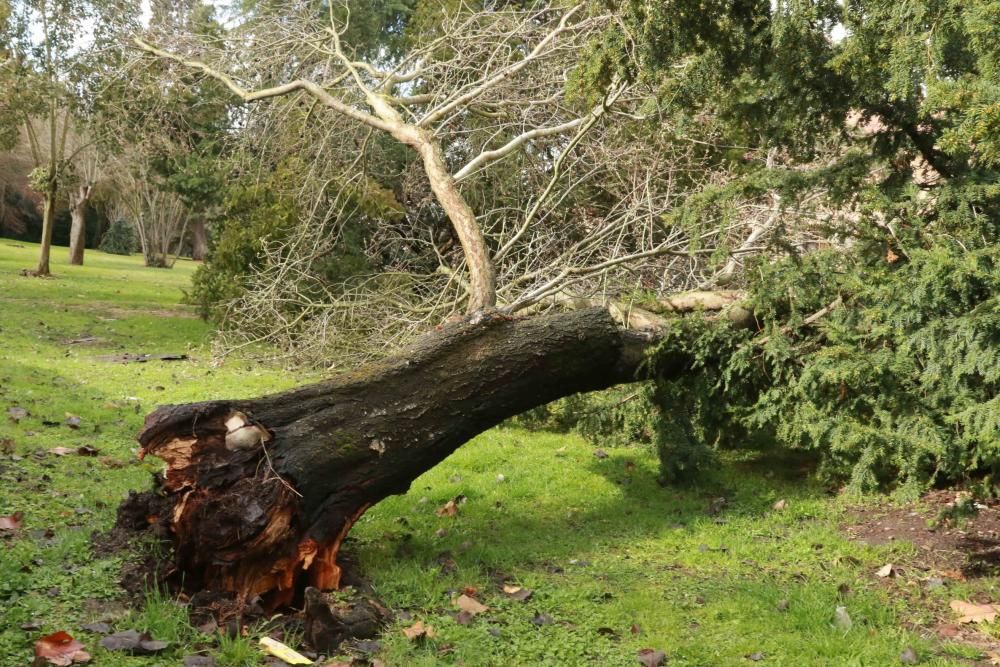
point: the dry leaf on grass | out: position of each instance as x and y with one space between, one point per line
780 505
651 658
282 652
61 649
517 593
10 523
61 451
975 613
419 630
471 605
448 509
888 570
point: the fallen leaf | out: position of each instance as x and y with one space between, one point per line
755 657
418 630
780 505
609 633
471 605
994 657
134 643
73 421
16 414
463 618
635 629
282 652
651 657
517 593
87 450
448 509
542 619
61 649
949 630
7 446
61 451
373 646
887 570
199 661
97 628
974 613
10 523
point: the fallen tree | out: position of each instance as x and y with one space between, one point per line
258 495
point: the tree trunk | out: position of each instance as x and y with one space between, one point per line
48 220
78 228
258 495
199 240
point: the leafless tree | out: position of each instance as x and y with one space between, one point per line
485 96
158 215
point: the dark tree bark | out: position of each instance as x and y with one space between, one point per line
258 495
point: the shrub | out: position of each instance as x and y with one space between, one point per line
120 239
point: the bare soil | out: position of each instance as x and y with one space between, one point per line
965 549
948 550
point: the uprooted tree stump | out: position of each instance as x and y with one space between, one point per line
258 495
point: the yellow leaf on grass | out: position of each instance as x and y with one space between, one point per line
975 613
471 605
418 630
282 652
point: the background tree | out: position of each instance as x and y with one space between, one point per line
87 172
49 77
158 215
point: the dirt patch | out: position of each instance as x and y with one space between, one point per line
965 548
949 547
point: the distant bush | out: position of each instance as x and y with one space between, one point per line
120 239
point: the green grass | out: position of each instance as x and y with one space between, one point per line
602 547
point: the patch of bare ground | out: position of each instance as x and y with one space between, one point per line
108 312
947 549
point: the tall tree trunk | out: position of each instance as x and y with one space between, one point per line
258 495
199 240
48 220
78 228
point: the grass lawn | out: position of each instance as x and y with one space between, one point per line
615 563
